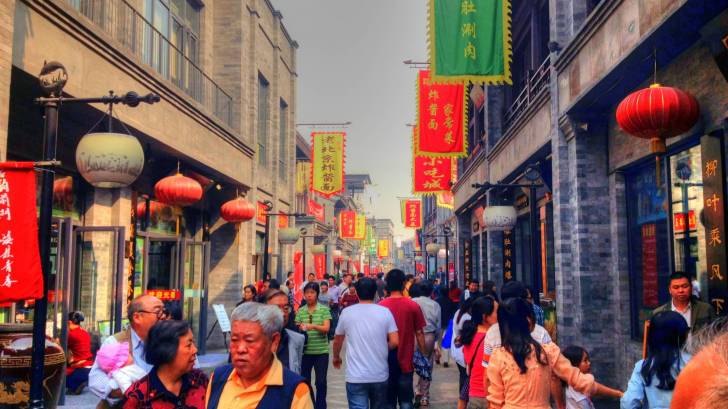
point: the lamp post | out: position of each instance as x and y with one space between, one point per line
268 207
532 175
446 233
53 77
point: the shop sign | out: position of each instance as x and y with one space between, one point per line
441 119
316 210
678 221
327 169
508 256
319 263
383 248
649 265
714 195
282 221
21 276
165 295
467 259
347 229
412 213
260 214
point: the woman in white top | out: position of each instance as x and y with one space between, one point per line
456 347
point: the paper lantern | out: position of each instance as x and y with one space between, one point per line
155 208
441 253
237 210
109 159
318 249
432 248
63 192
499 218
178 190
288 235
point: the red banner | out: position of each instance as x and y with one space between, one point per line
317 210
261 211
679 221
282 221
367 272
357 266
297 279
441 118
413 214
649 266
165 295
21 277
446 200
347 228
432 175
319 263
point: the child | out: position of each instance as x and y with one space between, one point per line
579 358
118 363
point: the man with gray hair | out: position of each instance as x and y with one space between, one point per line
256 378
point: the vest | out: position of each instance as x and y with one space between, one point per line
275 397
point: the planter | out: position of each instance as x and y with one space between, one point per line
16 345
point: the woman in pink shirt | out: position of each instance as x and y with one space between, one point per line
484 314
520 369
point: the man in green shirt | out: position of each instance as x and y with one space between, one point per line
315 319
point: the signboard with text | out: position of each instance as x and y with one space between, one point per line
508 256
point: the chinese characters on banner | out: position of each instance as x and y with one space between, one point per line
678 221
165 295
432 175
261 212
319 263
371 240
316 210
383 248
412 214
327 169
649 266
21 277
441 114
347 226
713 168
508 256
470 40
467 259
360 227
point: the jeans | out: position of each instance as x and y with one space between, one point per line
320 364
399 388
366 395
78 377
334 320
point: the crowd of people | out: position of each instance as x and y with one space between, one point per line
394 330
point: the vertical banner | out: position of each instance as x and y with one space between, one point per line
21 277
360 227
431 175
317 210
508 256
298 277
412 213
319 263
347 224
441 118
714 194
446 200
470 40
327 169
649 266
303 177
467 259
383 248
282 221
260 212
371 240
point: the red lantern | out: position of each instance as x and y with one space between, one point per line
154 208
178 190
237 210
657 113
63 192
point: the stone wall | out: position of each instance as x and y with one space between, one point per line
7 13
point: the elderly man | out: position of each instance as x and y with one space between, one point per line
143 312
256 378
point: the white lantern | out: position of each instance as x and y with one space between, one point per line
109 159
288 235
432 248
337 253
318 249
441 253
499 218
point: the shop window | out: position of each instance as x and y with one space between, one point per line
263 115
283 141
648 238
522 251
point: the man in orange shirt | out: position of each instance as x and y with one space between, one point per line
256 378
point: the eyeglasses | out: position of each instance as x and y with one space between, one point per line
161 313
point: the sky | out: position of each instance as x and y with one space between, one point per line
350 68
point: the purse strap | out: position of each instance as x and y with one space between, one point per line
472 360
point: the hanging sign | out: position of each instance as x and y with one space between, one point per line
319 263
165 295
262 210
432 175
282 221
383 248
441 118
470 40
316 210
327 169
508 256
467 259
21 277
360 227
649 265
412 213
347 224
446 200
678 221
714 197
371 240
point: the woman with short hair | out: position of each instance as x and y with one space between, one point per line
315 320
172 383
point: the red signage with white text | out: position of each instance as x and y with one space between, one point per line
260 214
316 210
165 295
319 263
413 214
348 224
679 221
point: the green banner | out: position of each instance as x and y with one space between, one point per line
470 41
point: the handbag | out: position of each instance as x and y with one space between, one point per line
423 366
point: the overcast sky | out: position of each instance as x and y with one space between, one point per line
350 69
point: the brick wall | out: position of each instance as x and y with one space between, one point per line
7 14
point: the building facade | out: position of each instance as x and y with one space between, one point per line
599 233
226 74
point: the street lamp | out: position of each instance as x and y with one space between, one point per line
53 77
446 233
268 207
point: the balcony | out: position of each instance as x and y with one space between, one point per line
534 85
123 23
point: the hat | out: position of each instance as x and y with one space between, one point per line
112 357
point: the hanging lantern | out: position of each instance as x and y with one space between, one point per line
441 253
658 113
499 218
155 208
288 235
109 159
63 192
237 210
432 248
318 249
178 190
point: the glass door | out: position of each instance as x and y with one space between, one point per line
59 280
98 258
195 265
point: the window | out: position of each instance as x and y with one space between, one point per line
283 141
263 114
171 42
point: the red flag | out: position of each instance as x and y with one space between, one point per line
348 224
413 213
316 210
261 212
319 263
441 115
21 277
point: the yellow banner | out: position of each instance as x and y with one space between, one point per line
383 248
327 171
303 177
360 230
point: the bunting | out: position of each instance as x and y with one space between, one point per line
441 118
327 169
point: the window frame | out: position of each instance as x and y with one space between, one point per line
263 119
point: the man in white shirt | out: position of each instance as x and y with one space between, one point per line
143 312
370 332
345 284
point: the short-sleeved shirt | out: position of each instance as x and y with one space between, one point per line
409 318
432 312
472 353
317 342
493 340
366 342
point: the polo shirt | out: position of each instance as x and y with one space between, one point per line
317 342
236 395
